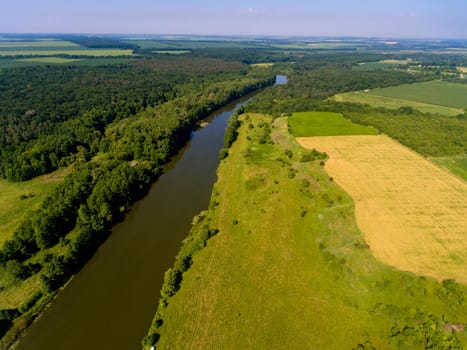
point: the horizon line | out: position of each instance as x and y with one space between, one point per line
281 36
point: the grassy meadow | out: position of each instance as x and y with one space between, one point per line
288 267
17 198
16 201
325 123
455 164
384 64
46 52
77 52
51 60
367 97
39 44
436 92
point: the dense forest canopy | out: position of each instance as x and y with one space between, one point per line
42 127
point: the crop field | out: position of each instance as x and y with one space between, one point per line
47 60
384 64
394 103
432 92
47 44
51 60
412 214
462 69
74 52
325 123
288 268
171 52
17 198
178 44
262 65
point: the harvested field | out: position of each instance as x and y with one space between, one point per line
412 213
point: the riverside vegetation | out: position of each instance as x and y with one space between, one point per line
114 150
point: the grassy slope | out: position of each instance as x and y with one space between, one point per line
325 124
12 211
13 208
433 92
394 103
289 269
456 164
385 64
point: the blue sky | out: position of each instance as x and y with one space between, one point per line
395 18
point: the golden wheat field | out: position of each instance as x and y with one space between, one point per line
412 213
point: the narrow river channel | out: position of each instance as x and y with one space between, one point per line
110 303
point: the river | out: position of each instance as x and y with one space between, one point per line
110 303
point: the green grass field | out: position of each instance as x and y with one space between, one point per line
42 61
48 44
171 52
13 208
384 64
48 60
432 92
77 52
456 164
288 268
325 124
188 44
394 103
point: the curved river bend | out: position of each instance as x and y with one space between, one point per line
110 303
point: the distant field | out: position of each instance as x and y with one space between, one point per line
77 52
394 103
186 44
13 209
262 65
456 164
384 64
325 124
432 92
57 60
171 52
412 214
41 61
37 44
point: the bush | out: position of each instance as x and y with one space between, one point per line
56 273
151 340
19 271
28 304
223 153
6 319
172 280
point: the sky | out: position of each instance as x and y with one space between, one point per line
367 18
